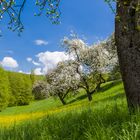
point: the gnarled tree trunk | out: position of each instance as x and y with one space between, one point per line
89 96
61 99
127 36
101 81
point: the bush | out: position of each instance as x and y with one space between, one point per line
39 90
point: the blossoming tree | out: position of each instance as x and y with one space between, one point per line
63 80
93 61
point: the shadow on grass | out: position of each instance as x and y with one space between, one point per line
112 98
110 85
103 89
78 99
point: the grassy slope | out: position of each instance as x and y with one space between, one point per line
104 118
109 91
36 106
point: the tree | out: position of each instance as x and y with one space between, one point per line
127 37
14 8
127 33
77 48
39 90
63 80
21 88
32 77
26 90
113 65
93 60
4 89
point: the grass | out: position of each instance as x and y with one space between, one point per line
105 118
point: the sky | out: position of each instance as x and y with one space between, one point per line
39 47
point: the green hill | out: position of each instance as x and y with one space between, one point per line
16 88
109 92
105 118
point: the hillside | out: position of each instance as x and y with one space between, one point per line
16 88
104 118
110 91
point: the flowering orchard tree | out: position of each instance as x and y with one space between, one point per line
63 79
93 61
106 54
101 58
113 65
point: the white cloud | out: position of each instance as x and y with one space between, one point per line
51 59
40 42
20 71
38 71
9 62
29 59
36 63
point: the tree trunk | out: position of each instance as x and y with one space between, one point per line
89 96
61 99
127 37
101 80
98 87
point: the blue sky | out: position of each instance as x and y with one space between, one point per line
89 18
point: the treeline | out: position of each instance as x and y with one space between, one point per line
15 88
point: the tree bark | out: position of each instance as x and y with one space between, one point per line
62 99
127 37
89 96
101 80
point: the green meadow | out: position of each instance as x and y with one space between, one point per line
104 118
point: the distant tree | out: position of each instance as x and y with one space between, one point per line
32 77
21 88
63 80
14 85
39 90
93 60
113 63
4 89
26 90
115 73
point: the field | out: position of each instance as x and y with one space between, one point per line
105 118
